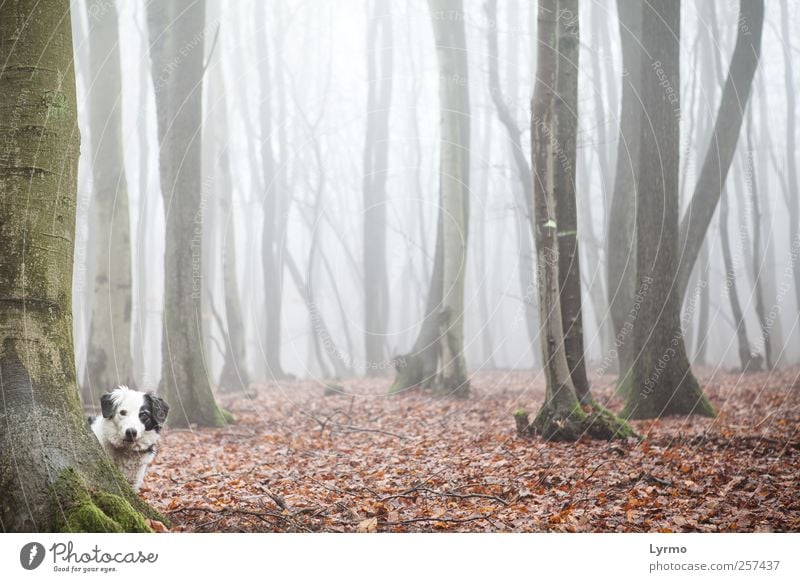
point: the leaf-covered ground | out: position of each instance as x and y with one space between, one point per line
299 459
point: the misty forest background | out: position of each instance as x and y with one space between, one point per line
370 252
311 111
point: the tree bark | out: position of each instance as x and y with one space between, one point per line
376 152
109 360
53 473
722 145
176 35
451 51
663 382
621 266
564 194
561 417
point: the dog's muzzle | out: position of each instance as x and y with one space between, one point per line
130 435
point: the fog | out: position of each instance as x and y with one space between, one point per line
285 117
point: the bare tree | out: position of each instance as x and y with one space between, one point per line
109 359
523 212
376 151
722 145
791 193
437 357
274 188
56 479
663 382
553 135
176 36
621 240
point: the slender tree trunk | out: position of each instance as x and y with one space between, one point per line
176 33
523 212
564 194
143 253
273 192
701 339
747 359
792 193
722 145
451 52
235 374
437 358
561 416
109 359
663 382
621 267
53 473
480 271
759 266
376 152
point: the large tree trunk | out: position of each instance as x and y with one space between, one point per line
109 360
621 266
376 152
54 475
662 380
561 416
722 145
176 33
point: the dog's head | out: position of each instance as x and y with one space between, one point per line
133 419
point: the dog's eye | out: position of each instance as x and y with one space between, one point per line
123 412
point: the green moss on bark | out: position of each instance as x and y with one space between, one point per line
410 373
79 508
556 424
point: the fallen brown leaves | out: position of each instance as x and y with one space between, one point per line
300 460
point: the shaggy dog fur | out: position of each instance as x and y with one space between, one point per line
129 430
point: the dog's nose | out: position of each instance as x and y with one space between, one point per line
130 434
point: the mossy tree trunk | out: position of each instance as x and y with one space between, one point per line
176 36
109 360
54 475
662 380
553 128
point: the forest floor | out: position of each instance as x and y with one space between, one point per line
300 460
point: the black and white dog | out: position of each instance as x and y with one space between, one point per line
129 429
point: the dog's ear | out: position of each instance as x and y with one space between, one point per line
107 405
159 407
